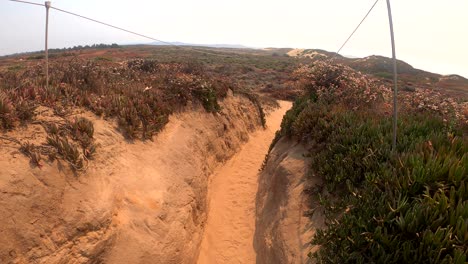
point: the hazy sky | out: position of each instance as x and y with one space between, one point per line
430 34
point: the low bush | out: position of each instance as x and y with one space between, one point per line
207 95
339 84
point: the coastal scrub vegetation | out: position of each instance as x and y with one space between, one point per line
380 206
139 94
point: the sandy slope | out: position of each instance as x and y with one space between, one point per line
282 230
229 231
143 202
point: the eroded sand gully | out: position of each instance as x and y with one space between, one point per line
143 202
230 227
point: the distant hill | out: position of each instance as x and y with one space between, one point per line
231 46
382 67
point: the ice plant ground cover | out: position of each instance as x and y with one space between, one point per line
408 206
139 94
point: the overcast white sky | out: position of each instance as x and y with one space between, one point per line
430 34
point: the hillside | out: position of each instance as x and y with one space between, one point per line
260 69
365 202
159 154
382 67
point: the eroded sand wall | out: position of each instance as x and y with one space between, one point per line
282 231
141 202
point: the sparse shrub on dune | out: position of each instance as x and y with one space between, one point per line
25 109
81 127
67 150
52 128
63 141
128 121
32 152
7 115
82 130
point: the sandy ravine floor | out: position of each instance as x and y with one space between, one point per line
230 227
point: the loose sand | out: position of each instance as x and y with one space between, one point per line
230 227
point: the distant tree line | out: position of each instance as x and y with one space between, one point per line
94 46
79 47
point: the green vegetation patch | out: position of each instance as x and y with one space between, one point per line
139 94
408 206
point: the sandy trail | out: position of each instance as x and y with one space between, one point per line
230 227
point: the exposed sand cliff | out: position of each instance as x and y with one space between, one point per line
283 232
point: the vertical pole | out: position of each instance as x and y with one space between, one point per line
47 6
395 79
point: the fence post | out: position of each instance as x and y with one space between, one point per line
395 79
47 6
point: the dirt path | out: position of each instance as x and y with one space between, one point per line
230 227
